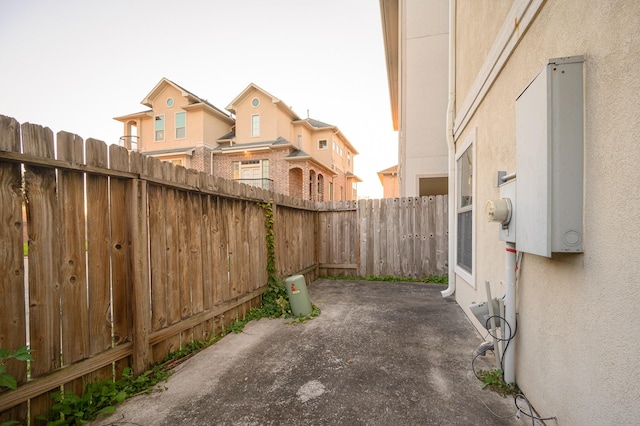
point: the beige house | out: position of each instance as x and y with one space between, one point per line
259 141
389 180
416 39
546 92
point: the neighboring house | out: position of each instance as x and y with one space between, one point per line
389 180
416 41
548 90
260 141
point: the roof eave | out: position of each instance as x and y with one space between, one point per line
389 15
134 115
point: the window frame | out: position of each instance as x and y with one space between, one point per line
155 127
460 270
255 125
326 144
184 114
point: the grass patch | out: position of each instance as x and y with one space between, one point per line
433 279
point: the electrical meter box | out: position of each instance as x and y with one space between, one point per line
550 160
508 231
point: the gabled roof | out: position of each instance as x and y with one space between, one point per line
390 171
350 175
317 124
298 154
194 101
229 136
276 101
393 170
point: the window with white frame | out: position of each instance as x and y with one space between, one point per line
252 172
181 125
255 125
464 208
159 127
322 144
337 148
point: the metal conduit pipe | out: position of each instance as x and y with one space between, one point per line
451 144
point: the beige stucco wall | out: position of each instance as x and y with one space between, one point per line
423 91
202 126
578 341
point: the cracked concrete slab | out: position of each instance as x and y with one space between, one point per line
380 353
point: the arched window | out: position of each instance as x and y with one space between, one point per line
320 187
312 185
295 182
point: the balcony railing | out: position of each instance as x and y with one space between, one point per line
263 183
129 142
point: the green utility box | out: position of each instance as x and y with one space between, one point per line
298 296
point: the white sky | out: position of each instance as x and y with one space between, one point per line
73 65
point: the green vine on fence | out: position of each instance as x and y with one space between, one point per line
275 301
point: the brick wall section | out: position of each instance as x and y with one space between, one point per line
279 172
201 159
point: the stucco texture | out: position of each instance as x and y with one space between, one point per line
578 345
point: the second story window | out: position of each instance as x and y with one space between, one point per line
322 144
159 127
348 159
181 125
255 125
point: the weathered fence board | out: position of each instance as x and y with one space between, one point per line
399 237
12 302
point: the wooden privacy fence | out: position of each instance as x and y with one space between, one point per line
130 258
399 237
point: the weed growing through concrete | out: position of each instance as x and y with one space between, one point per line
494 380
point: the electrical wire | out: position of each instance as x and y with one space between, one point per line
502 339
533 418
530 414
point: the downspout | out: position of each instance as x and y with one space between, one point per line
451 144
510 314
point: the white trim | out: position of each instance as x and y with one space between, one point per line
470 140
522 13
258 133
175 122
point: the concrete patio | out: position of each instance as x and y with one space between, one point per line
380 353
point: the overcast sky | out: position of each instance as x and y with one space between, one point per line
73 65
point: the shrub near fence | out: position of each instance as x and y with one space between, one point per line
130 258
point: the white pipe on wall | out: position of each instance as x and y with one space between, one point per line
510 314
451 143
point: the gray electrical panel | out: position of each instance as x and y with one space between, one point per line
550 160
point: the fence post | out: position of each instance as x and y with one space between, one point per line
141 303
